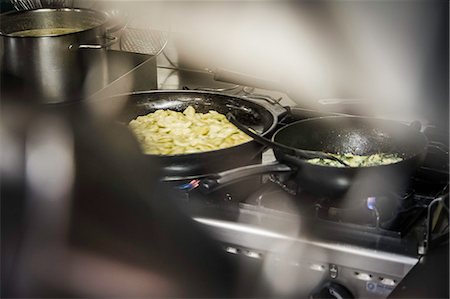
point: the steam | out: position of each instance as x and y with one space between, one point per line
352 50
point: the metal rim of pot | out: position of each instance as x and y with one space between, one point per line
106 18
57 68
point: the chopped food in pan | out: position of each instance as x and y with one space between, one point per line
167 132
358 161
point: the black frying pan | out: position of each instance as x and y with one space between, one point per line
342 134
259 117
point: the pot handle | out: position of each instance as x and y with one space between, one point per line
110 41
228 177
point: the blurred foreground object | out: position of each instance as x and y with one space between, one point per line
81 218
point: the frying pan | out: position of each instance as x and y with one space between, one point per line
341 134
261 118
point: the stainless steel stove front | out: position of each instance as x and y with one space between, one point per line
294 265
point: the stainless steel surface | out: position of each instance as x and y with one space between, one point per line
33 4
309 262
26 4
245 79
128 72
143 41
276 239
51 68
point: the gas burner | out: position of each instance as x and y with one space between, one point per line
378 212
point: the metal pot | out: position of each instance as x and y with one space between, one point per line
56 68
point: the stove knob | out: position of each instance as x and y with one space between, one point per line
332 290
333 270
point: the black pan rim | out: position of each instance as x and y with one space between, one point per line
174 91
424 149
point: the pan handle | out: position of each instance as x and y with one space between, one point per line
416 125
228 177
245 79
304 154
439 146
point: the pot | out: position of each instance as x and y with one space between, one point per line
56 66
175 168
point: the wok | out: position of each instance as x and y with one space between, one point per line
340 134
260 118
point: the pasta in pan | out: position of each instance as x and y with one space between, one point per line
358 161
167 132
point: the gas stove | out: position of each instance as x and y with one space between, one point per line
293 244
362 250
